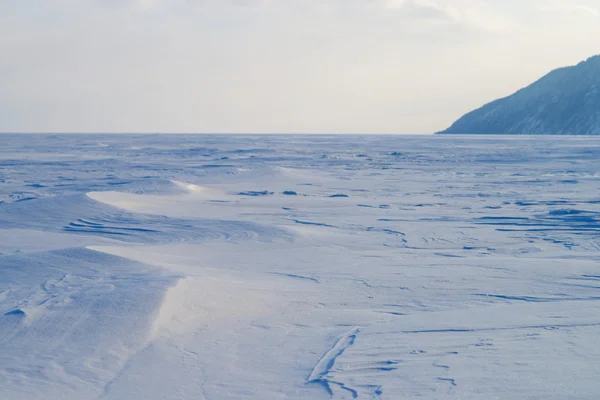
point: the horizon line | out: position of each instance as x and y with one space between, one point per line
216 133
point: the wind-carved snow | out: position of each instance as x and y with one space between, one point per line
319 374
213 267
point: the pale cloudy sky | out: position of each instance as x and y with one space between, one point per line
304 66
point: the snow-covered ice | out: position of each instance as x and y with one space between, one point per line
299 267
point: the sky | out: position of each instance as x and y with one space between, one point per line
276 66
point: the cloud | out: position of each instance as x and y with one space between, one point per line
471 14
572 8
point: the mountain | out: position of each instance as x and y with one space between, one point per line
564 102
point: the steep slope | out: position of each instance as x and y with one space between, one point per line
566 101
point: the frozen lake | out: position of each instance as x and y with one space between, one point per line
299 267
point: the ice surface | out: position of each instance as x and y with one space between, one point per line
299 267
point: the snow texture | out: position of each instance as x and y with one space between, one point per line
299 267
